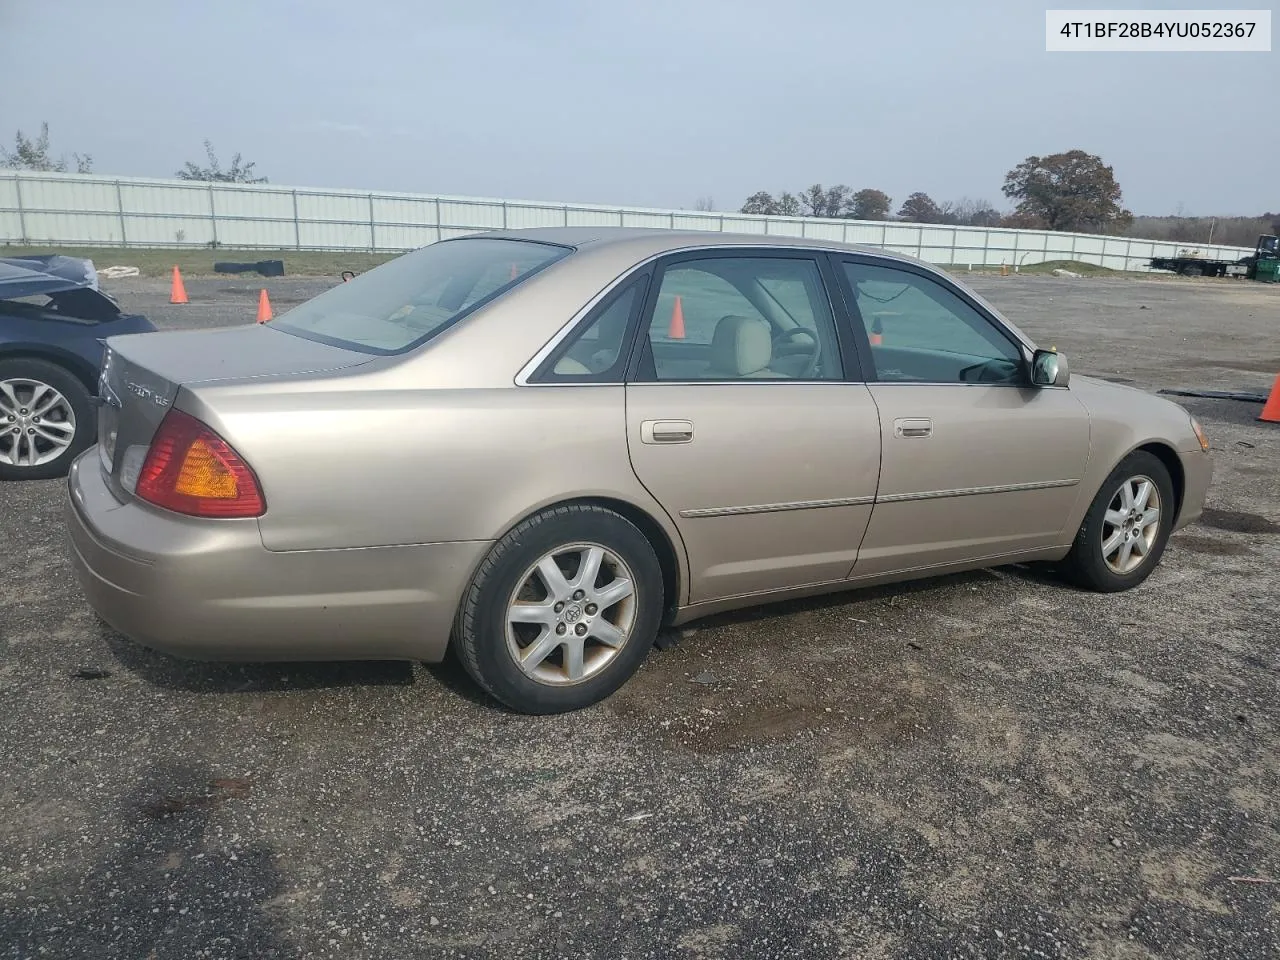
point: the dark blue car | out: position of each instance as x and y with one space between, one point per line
52 319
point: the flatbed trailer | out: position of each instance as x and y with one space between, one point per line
1267 248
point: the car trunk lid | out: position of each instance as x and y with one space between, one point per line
143 373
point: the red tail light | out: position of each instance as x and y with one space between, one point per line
190 469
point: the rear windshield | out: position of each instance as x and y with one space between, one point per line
406 301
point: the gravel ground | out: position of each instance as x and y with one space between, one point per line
986 765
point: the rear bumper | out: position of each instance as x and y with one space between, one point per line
210 590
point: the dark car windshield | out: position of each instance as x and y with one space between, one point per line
408 300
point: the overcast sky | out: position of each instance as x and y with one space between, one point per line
648 102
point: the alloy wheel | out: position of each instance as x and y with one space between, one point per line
37 423
1130 525
571 613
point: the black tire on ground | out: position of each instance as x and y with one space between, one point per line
67 384
1192 271
480 632
1085 565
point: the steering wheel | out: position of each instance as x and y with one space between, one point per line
996 370
783 346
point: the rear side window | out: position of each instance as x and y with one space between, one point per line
407 301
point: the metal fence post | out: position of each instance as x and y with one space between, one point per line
373 237
124 241
439 227
297 229
213 215
22 214
566 214
504 214
884 235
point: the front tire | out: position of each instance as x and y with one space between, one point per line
46 420
562 611
1126 528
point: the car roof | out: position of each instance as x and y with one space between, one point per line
653 241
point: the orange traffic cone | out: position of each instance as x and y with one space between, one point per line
877 333
1271 409
264 307
179 293
676 330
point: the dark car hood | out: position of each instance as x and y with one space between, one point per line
32 276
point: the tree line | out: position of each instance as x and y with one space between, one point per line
1072 192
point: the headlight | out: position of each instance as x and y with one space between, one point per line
1200 434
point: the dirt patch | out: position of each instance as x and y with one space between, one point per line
1237 521
219 792
1217 548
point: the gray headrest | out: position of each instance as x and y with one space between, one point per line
741 346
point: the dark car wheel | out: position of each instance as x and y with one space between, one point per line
46 420
1128 524
562 611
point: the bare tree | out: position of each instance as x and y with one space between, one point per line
34 154
822 201
789 206
705 204
240 172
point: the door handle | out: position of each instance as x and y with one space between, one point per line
907 428
666 431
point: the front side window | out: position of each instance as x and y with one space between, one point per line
739 318
920 331
405 302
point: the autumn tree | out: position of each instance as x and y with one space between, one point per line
240 171
1073 191
920 208
869 204
28 154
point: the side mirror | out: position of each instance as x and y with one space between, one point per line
1049 369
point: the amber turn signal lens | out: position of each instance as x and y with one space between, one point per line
1200 434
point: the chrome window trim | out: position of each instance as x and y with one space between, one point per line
527 371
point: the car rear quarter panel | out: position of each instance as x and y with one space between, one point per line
369 465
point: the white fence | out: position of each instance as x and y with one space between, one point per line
88 210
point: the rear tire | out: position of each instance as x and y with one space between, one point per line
47 442
562 611
1119 544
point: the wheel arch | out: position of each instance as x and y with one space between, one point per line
670 556
1167 455
76 366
